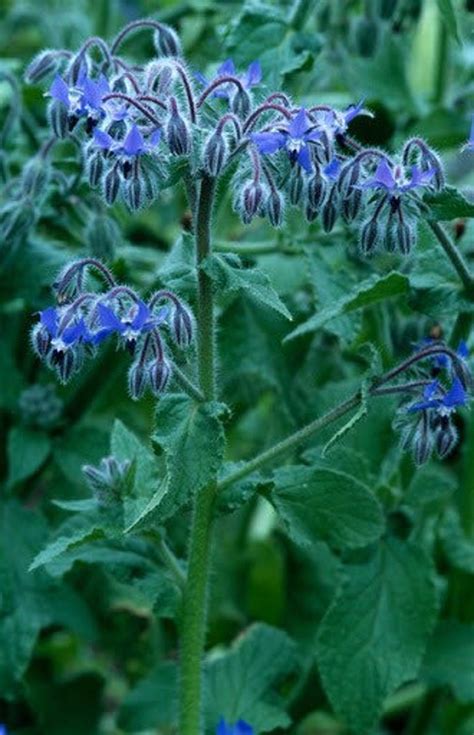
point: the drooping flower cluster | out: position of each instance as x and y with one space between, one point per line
83 319
134 120
442 385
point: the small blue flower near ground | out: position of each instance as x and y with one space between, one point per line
130 326
249 79
445 403
240 728
296 139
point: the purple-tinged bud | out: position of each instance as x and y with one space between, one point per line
77 67
58 119
159 373
43 64
391 236
66 363
350 205
369 236
274 206
167 42
316 191
111 185
40 341
150 183
35 177
310 213
135 193
182 326
215 153
296 186
446 437
422 442
406 235
329 211
137 380
252 195
108 481
241 103
177 133
95 169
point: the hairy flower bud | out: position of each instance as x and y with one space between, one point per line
369 236
406 236
422 442
241 103
182 326
43 64
35 177
40 341
111 185
310 213
159 373
58 119
329 212
137 380
350 205
65 363
135 193
95 169
40 406
296 186
251 199
446 436
177 133
167 41
108 481
316 191
215 153
274 208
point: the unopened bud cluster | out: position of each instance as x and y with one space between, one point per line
83 320
40 407
108 481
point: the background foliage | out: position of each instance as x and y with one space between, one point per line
339 581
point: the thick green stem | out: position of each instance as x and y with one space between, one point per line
454 255
193 628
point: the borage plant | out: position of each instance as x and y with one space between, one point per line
140 129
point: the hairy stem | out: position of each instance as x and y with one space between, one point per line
454 256
193 631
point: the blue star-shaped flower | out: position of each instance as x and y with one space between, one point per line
240 728
336 122
132 145
138 320
444 403
62 338
295 139
84 98
249 79
395 180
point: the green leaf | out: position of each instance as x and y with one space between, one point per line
448 15
370 291
178 272
153 702
448 204
373 637
27 451
457 546
192 438
229 276
431 485
239 683
449 659
319 504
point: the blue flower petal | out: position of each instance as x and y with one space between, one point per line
133 144
222 728
59 90
269 142
463 350
103 139
253 75
298 125
332 169
243 728
227 68
108 319
49 320
304 159
456 396
142 316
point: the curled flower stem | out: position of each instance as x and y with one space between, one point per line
230 118
188 91
227 79
454 256
278 96
98 43
152 98
135 25
266 107
131 101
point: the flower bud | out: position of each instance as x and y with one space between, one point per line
77 67
251 199
310 213
95 169
350 205
406 236
176 132
66 363
296 186
446 437
182 327
58 119
329 212
108 481
102 235
215 153
369 236
241 103
35 177
135 193
43 64
40 341
316 191
159 373
274 208
137 380
422 442
111 185
40 406
167 41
